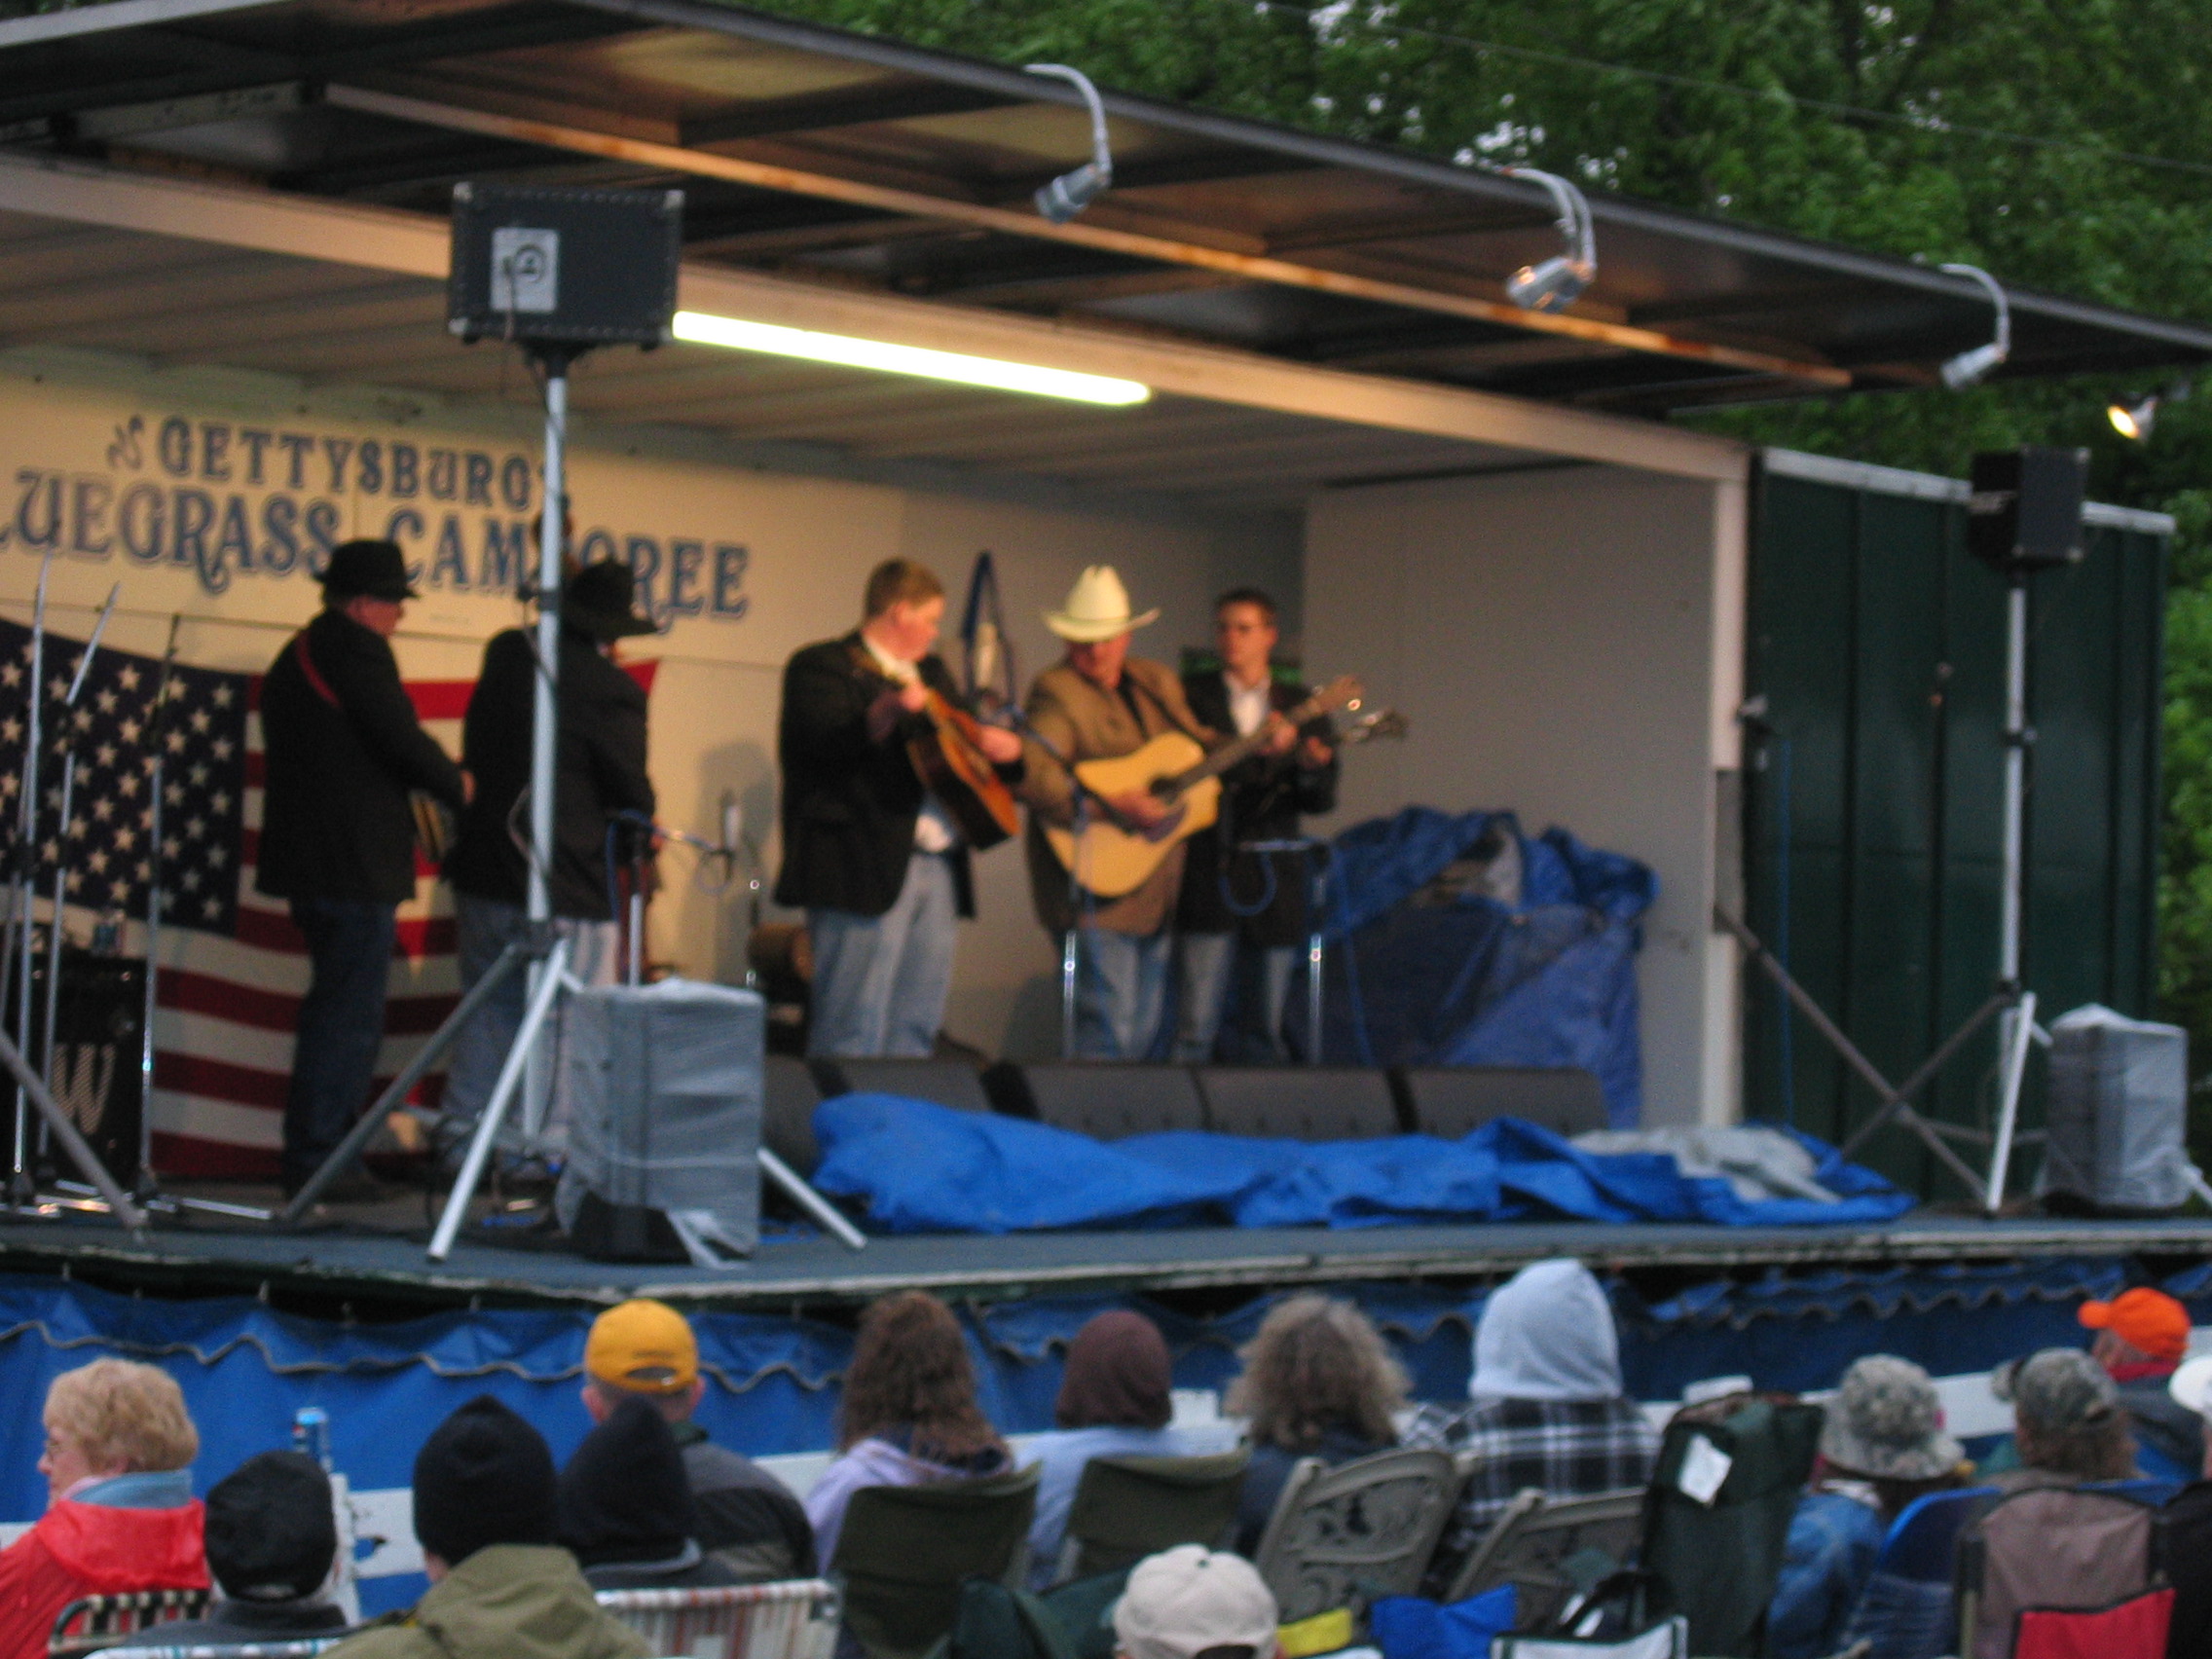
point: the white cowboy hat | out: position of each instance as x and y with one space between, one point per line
1097 608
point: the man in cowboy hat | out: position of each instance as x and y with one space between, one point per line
342 748
1099 703
598 773
871 856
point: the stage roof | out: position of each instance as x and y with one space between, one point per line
860 164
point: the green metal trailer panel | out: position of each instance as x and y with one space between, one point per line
1873 787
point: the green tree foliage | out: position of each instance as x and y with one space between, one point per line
2064 144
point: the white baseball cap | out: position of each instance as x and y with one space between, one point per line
1184 1601
2192 1384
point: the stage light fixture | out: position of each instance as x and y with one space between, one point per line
1555 283
1969 368
1072 192
845 351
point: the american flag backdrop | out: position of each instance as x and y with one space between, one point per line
233 968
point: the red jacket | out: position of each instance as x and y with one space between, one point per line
88 1549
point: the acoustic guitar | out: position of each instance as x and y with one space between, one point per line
1111 859
950 760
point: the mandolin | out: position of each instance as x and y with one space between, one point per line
950 762
1111 859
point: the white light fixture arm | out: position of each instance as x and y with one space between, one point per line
1101 157
1575 221
1968 367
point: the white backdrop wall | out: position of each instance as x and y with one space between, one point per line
1565 642
207 493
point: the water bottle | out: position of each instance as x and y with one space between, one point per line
311 1434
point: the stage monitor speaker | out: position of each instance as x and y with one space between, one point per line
2025 512
664 1084
2117 1113
949 1082
95 1076
1105 1100
564 265
1449 1101
1307 1103
787 1099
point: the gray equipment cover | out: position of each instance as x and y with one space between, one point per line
2118 1103
665 1083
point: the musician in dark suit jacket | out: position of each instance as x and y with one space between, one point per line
875 860
599 771
1218 944
342 749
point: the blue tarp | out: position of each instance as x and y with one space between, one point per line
1468 981
920 1167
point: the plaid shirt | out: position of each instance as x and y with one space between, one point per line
1566 1447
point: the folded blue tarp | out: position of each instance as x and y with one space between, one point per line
921 1167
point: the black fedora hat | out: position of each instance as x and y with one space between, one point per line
367 569
598 600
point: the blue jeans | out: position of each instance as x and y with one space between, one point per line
1121 984
483 927
1207 963
880 981
340 1027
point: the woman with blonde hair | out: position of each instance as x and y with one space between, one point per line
120 1511
1317 1383
909 1414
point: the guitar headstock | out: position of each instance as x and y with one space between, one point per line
1343 692
1377 724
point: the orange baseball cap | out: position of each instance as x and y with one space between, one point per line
2144 1318
643 1347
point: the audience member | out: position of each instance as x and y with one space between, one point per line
625 1509
909 1414
1882 1445
2140 1337
1546 1405
2068 1425
272 1543
120 1511
500 1587
2188 1528
746 1518
1317 1383
1114 1403
1189 1602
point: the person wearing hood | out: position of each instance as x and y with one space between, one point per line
625 1507
1546 1406
1882 1445
120 1511
909 1414
272 1543
1317 1383
501 1588
1114 1402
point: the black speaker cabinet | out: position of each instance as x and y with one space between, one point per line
949 1083
95 1073
1307 1103
551 265
1104 1100
2025 512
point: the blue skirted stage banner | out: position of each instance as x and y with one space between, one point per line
246 1368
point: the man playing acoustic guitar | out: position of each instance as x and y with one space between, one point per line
877 859
1101 703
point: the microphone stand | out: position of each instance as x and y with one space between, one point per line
1083 799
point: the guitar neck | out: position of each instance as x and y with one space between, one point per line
1243 749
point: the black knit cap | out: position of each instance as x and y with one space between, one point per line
366 569
624 1496
484 1477
271 1535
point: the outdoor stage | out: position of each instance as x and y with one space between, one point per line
380 1254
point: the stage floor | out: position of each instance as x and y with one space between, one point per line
378 1252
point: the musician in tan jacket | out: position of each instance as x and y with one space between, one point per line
1100 702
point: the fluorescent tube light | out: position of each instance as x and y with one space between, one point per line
703 329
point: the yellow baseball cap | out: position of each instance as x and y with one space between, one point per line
643 1346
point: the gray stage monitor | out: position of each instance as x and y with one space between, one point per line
564 266
2119 1106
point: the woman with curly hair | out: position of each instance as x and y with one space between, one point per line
120 1512
909 1415
1317 1383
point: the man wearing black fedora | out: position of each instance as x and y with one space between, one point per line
342 748
598 773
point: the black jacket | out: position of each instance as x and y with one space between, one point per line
1261 800
850 800
599 771
340 750
2187 1522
